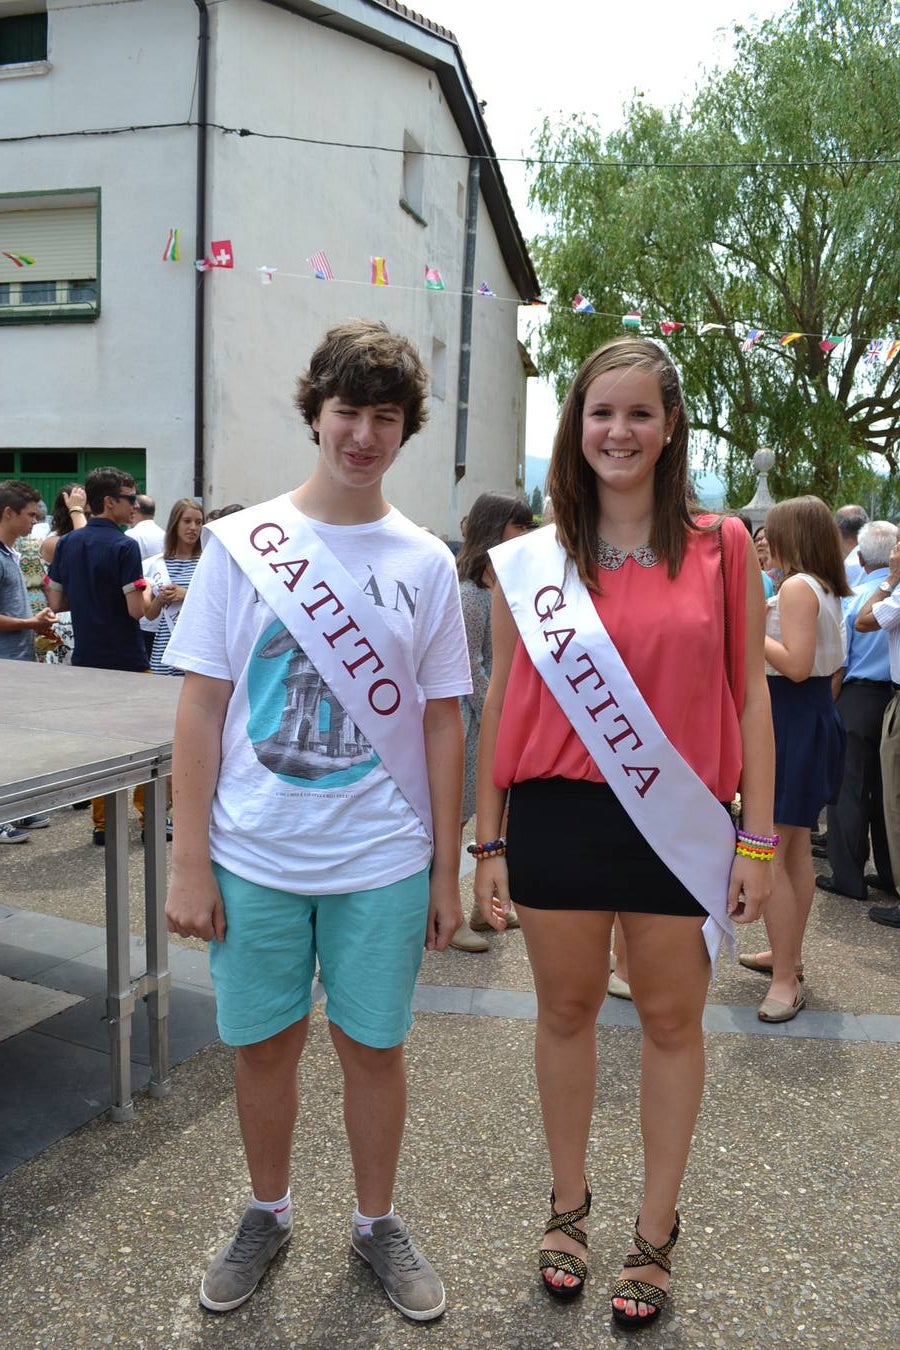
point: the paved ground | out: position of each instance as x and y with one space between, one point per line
790 1205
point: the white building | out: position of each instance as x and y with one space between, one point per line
349 127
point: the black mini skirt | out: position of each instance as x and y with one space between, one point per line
571 845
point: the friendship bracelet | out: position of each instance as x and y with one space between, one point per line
495 848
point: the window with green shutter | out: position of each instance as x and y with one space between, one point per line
23 37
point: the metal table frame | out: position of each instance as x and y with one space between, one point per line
111 778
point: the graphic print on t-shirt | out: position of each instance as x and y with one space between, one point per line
298 728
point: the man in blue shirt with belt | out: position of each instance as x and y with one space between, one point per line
97 573
865 692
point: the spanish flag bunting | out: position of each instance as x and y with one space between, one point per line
891 352
379 272
789 338
171 251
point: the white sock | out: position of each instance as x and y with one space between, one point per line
363 1224
282 1209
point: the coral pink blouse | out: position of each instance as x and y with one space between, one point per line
669 634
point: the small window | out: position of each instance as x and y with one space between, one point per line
5 290
413 178
82 293
53 461
438 369
37 293
23 38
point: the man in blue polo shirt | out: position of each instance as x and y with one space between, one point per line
97 573
865 692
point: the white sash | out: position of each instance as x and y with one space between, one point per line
357 654
157 575
575 657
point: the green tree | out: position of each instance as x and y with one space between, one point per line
773 201
537 503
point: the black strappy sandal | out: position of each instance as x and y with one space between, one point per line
638 1290
565 1261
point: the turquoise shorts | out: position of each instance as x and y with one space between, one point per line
368 945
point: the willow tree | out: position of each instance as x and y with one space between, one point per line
770 202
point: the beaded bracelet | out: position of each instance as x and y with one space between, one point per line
760 854
766 841
495 848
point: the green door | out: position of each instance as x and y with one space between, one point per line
50 470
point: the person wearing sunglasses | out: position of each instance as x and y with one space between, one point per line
98 575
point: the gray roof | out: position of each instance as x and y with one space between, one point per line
396 28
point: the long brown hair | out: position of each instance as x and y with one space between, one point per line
488 517
170 545
60 521
803 537
571 481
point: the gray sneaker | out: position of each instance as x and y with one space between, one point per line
11 834
237 1269
410 1282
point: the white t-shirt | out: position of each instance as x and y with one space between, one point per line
886 614
303 803
148 536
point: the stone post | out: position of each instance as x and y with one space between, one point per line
761 500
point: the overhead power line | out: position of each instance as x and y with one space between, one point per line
587 162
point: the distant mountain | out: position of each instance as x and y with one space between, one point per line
535 473
710 488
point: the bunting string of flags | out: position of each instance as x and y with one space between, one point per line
19 259
881 350
321 267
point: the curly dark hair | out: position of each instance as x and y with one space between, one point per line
363 362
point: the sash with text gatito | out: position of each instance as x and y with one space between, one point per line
357 654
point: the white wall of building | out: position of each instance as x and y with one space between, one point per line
302 80
125 380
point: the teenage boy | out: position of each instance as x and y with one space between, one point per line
317 781
18 626
19 513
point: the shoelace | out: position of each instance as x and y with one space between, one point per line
246 1245
407 1259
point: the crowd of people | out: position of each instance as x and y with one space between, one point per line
646 709
99 584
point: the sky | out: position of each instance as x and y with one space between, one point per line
579 57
